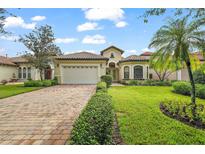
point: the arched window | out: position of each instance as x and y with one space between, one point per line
29 72
24 73
126 72
19 73
138 72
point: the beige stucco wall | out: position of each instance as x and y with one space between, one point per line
101 64
6 72
117 55
35 73
131 66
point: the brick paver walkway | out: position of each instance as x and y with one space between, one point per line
44 116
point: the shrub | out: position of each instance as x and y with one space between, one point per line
183 111
149 83
33 83
133 82
182 87
95 123
101 86
47 83
107 79
199 76
4 82
201 92
54 81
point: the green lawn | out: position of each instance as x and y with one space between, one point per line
11 90
141 121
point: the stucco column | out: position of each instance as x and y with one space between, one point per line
21 73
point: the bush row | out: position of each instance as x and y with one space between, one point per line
107 79
39 83
147 83
184 88
95 123
183 111
101 86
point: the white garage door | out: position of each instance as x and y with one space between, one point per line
79 74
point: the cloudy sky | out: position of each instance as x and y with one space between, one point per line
83 29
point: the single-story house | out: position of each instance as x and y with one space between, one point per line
87 68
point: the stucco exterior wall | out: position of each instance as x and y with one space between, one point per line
6 72
100 63
35 73
131 66
117 55
184 74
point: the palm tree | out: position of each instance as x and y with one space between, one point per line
178 39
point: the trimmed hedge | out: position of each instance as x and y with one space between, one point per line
107 79
39 83
199 76
184 88
95 123
101 86
149 83
183 111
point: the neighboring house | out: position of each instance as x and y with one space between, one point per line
18 68
87 68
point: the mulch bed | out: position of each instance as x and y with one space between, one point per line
117 139
185 120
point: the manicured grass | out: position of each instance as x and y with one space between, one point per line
11 90
141 121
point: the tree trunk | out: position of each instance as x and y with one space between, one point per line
193 89
41 74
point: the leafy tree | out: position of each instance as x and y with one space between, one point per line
177 39
193 12
40 43
163 71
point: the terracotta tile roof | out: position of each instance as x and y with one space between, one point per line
135 58
19 60
81 56
6 61
147 53
112 46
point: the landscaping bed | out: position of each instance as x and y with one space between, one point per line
182 111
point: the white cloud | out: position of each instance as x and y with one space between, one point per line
69 52
18 22
115 14
9 38
38 18
88 26
121 24
65 40
95 39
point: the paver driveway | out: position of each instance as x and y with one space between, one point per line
44 116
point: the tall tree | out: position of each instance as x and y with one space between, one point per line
185 12
40 43
177 39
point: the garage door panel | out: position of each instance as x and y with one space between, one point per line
79 74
